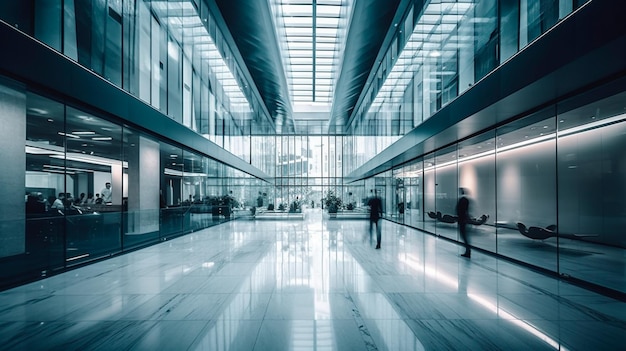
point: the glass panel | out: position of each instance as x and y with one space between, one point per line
171 170
447 191
48 22
591 192
430 194
94 155
526 189
41 249
477 177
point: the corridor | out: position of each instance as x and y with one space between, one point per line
313 284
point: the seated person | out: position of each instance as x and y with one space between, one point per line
35 203
58 202
80 200
98 200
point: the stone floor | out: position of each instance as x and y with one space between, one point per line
310 284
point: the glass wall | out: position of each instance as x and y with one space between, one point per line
526 187
591 168
451 46
169 54
88 187
546 189
307 168
477 177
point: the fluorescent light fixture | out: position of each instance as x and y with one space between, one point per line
91 159
600 123
527 142
83 133
56 168
101 138
174 172
68 135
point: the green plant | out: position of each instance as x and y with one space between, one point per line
332 202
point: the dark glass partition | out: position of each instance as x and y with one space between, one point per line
447 190
591 173
526 189
42 249
93 166
172 210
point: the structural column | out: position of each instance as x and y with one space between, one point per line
143 186
13 173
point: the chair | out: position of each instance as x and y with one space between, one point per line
448 218
478 221
536 233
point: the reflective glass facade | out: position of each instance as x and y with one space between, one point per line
439 50
545 190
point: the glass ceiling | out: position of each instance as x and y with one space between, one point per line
311 34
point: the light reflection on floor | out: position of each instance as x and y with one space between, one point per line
307 285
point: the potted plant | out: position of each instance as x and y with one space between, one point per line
332 202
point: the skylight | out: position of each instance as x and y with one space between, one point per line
311 34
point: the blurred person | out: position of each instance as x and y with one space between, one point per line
376 209
463 215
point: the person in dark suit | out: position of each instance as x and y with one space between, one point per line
462 212
376 210
35 203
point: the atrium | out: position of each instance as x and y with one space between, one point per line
200 174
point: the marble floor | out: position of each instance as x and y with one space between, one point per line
310 284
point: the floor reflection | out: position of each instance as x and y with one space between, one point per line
311 284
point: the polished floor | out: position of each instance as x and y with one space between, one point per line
307 285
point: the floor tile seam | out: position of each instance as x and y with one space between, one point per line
360 323
266 308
